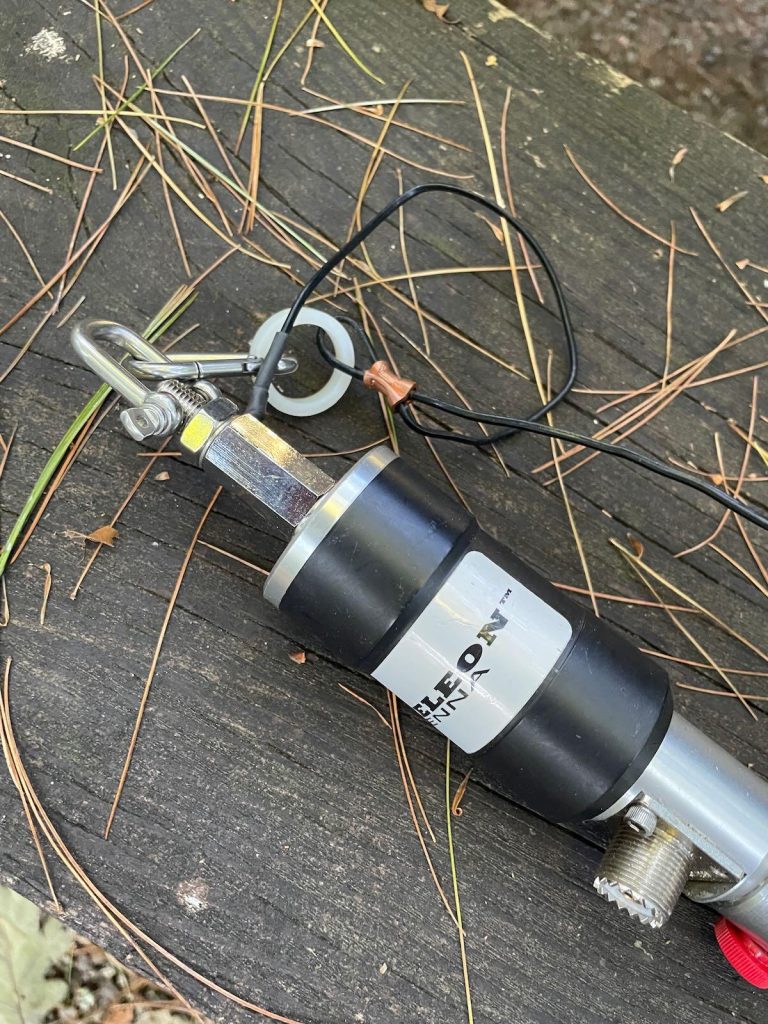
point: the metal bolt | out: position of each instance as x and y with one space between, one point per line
641 819
207 390
157 416
142 422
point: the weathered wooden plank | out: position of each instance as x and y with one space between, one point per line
259 781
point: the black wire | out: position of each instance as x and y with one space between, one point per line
258 401
510 424
357 327
628 454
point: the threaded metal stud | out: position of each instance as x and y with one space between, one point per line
645 875
188 400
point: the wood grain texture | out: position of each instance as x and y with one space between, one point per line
260 780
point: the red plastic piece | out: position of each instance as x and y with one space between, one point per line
746 954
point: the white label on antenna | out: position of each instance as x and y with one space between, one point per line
477 653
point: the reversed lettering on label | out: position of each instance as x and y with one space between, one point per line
477 653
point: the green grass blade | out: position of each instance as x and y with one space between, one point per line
136 93
94 402
260 72
156 328
343 43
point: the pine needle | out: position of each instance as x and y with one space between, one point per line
50 156
455 881
377 282
20 242
557 446
621 599
94 112
155 660
617 210
735 491
154 72
249 210
510 198
87 247
728 269
505 228
740 568
721 693
6 446
24 801
670 293
71 312
235 558
197 100
107 126
311 44
701 664
133 10
368 108
26 181
638 567
343 43
654 574
288 42
399 753
359 697
260 73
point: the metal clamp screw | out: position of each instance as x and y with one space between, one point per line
642 819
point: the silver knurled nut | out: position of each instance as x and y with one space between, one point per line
641 819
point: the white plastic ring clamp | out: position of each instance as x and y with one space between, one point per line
334 388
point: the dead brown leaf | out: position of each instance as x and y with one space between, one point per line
495 228
119 1013
726 204
46 567
677 159
103 535
637 546
439 10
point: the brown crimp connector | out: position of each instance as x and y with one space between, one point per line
382 378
